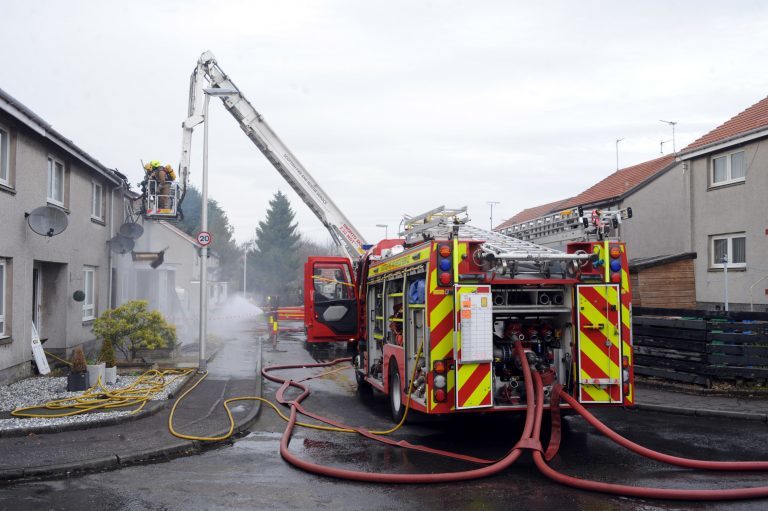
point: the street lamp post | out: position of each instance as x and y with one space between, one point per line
491 204
386 230
202 362
245 266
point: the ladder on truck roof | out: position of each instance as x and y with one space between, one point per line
498 249
347 238
570 225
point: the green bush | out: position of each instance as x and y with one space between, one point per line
132 327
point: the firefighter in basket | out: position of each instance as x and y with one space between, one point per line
163 175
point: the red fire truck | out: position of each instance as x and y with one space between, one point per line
436 314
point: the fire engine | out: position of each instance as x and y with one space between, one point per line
440 309
434 314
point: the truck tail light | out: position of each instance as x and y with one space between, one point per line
444 265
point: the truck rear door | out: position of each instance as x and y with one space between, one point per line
330 301
599 346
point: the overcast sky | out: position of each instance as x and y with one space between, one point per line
393 106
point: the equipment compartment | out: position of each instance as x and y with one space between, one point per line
540 317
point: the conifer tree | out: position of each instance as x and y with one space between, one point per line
218 225
274 257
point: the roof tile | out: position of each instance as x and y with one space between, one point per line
751 119
621 182
530 214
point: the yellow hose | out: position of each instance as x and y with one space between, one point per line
58 358
99 397
280 413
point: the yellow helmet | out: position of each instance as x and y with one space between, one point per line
155 163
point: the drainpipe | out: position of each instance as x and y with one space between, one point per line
109 250
725 278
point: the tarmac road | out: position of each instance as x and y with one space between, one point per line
250 474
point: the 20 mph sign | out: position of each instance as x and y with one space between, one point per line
204 238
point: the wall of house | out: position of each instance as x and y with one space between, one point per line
670 286
660 225
59 259
741 207
173 287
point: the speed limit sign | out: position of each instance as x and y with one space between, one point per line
204 238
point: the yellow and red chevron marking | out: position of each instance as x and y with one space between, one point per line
473 383
626 325
599 344
440 323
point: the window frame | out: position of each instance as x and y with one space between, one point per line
729 250
97 215
3 296
89 302
729 180
5 162
52 161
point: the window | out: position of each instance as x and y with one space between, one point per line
3 280
4 157
55 181
732 247
89 287
96 201
728 168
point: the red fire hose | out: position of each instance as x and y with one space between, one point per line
634 491
355 475
529 440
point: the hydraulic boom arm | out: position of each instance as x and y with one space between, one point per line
252 123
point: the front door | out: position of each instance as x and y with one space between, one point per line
330 301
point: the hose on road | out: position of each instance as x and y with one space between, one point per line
529 440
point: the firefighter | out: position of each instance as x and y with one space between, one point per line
164 176
275 331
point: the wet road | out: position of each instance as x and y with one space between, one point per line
250 474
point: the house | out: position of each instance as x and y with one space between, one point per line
61 282
171 285
727 175
637 187
706 203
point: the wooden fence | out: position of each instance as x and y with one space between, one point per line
698 346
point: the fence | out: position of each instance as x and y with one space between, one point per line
698 346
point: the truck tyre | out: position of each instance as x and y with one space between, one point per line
396 405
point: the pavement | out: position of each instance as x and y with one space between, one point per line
235 371
667 400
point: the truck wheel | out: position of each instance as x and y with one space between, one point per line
396 405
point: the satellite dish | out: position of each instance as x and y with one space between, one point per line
131 230
121 244
47 221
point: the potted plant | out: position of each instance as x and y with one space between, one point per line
108 357
78 375
95 371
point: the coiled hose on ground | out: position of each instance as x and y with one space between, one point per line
529 440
